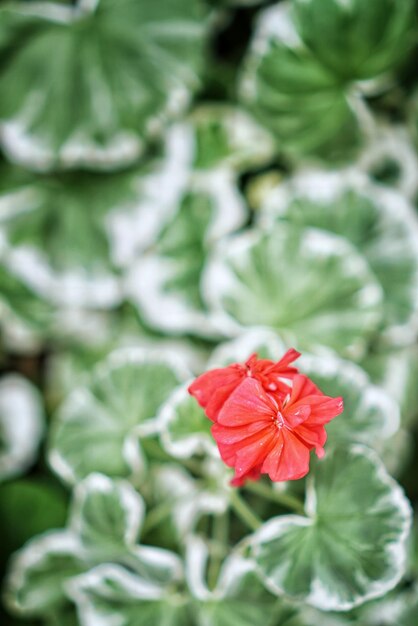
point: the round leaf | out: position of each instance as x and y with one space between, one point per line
98 426
131 65
310 286
351 548
376 220
293 94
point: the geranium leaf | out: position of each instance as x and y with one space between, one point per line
310 286
121 99
98 426
304 62
293 94
377 221
351 548
42 217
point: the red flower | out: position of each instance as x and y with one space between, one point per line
258 432
213 388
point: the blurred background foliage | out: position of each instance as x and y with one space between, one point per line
173 174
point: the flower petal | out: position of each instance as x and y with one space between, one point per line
213 388
248 403
289 459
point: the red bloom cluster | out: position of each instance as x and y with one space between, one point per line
267 417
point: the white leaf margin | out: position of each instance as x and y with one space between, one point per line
80 587
233 569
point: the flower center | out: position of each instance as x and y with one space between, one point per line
279 420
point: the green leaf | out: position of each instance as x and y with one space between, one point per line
109 590
39 571
21 425
301 71
351 548
185 429
356 40
287 88
117 75
106 516
98 426
310 286
376 220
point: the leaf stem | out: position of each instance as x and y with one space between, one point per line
220 539
243 511
284 499
157 515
